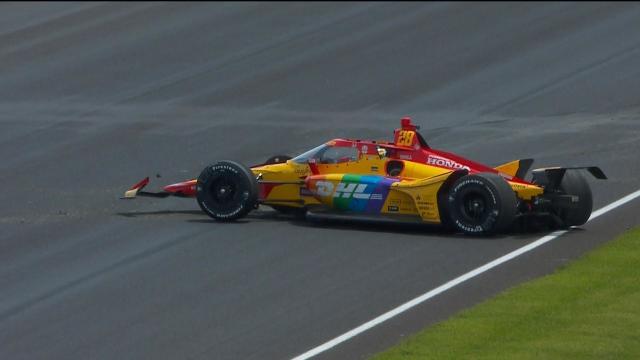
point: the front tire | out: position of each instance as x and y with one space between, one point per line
227 190
481 204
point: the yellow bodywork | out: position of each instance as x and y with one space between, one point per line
415 193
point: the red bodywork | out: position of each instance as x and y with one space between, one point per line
418 151
186 188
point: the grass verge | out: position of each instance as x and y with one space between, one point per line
588 309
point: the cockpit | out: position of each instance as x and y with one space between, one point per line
328 154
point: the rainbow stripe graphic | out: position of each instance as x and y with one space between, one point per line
351 192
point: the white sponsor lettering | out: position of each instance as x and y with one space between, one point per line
444 162
356 191
343 190
324 188
359 193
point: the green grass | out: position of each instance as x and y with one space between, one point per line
588 310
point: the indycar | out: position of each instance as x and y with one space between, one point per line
404 179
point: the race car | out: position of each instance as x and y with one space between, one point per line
403 180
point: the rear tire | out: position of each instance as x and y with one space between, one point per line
481 204
227 190
573 183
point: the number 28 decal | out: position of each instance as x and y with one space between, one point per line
405 138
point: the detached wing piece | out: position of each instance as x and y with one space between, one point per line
183 189
131 193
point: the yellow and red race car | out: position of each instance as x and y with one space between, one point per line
401 180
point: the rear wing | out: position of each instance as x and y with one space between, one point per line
551 177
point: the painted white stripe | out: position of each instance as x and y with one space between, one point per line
614 205
446 286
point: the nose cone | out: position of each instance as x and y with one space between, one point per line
187 188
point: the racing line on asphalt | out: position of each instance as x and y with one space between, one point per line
457 281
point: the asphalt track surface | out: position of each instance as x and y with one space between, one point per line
95 96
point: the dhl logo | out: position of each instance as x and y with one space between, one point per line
343 190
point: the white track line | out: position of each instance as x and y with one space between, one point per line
446 286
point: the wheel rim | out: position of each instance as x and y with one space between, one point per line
223 190
474 208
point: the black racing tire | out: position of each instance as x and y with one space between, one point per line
445 216
481 204
573 183
277 159
227 190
